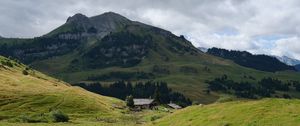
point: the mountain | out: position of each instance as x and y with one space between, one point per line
298 67
28 95
258 62
100 25
288 60
109 47
203 49
238 113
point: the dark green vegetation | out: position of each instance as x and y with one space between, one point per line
158 90
129 101
259 62
38 48
122 49
297 67
109 47
266 87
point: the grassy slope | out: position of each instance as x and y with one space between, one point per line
192 84
267 112
37 93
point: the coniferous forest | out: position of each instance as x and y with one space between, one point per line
266 87
150 89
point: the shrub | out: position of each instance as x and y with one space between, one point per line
59 116
25 72
129 101
286 96
153 118
27 68
7 63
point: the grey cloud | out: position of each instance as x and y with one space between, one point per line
199 20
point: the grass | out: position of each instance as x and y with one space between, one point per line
37 94
190 84
267 112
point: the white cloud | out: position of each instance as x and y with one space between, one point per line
200 20
288 46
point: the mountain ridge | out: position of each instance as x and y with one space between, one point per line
131 51
244 58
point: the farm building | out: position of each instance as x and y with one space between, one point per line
174 106
144 103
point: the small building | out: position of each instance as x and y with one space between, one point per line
174 106
143 103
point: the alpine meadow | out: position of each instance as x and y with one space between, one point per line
220 63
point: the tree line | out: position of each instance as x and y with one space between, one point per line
266 87
38 48
150 89
244 58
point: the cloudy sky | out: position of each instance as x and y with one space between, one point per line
258 26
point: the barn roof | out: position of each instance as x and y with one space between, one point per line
174 106
142 101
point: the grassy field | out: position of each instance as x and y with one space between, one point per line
266 112
37 94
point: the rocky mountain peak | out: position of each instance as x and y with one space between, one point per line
110 16
77 18
109 21
100 25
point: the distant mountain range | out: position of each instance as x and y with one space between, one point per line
244 58
288 60
284 59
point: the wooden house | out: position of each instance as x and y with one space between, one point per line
144 103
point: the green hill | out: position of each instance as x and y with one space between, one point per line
266 112
26 94
110 47
258 62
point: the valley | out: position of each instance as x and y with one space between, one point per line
110 70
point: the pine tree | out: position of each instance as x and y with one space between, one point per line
156 95
129 101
